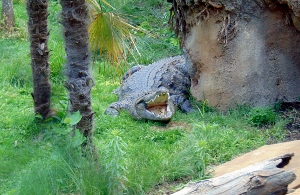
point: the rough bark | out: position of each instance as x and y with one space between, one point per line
8 14
245 52
262 178
38 32
79 81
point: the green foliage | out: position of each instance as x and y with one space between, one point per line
13 70
19 1
204 107
20 29
152 16
110 34
190 160
56 44
48 177
216 140
167 137
134 156
278 106
262 116
116 164
61 172
62 136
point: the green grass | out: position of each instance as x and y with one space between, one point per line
34 159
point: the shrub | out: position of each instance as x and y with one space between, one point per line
262 116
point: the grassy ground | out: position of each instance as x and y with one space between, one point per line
135 157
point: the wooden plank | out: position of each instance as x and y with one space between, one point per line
261 178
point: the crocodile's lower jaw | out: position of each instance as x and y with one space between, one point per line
158 105
159 110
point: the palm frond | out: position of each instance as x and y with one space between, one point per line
110 34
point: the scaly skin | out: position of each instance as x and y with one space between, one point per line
152 92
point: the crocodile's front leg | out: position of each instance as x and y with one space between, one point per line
183 103
111 111
114 108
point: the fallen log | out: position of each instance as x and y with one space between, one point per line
266 177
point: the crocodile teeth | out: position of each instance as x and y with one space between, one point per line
160 99
158 105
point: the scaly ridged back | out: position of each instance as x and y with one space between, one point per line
150 77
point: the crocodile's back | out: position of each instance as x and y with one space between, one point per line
153 91
160 73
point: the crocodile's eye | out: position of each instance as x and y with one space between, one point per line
141 102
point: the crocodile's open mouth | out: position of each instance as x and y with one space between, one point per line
155 106
158 105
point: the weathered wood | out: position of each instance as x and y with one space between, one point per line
261 178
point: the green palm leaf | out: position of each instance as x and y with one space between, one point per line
110 34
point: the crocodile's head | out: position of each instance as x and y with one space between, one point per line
155 105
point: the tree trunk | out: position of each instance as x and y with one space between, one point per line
262 178
8 14
38 31
80 82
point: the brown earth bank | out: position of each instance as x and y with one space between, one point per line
244 52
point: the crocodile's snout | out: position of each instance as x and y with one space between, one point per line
153 92
156 107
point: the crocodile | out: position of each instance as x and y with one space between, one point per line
154 92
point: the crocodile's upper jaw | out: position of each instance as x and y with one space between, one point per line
157 106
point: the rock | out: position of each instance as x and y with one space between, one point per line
245 52
263 153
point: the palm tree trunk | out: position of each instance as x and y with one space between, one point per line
80 82
38 31
8 14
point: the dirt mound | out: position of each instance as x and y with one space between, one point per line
244 52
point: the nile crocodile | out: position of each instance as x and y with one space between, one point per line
153 92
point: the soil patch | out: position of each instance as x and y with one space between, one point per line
180 125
